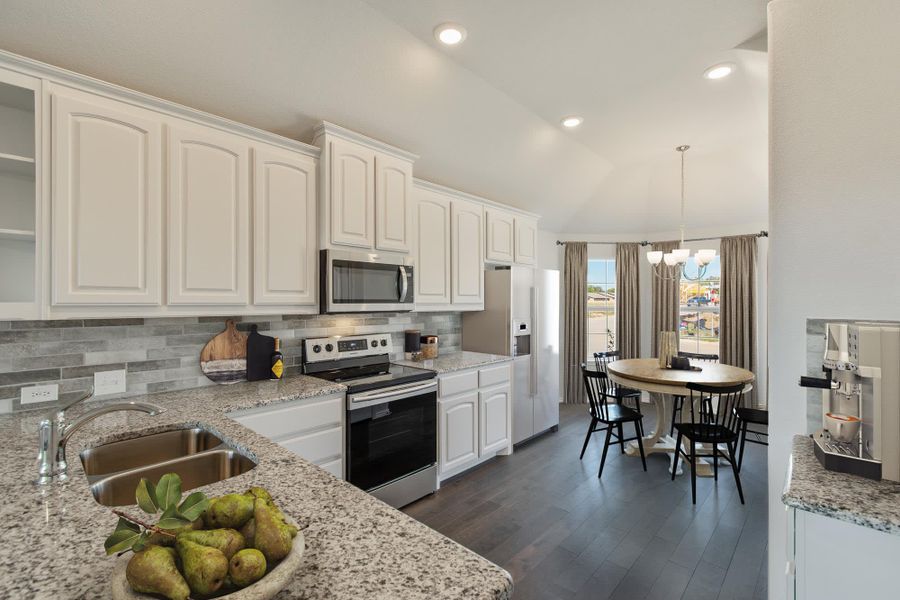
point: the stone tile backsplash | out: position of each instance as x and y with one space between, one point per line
164 353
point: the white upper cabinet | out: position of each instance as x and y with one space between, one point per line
432 270
352 198
284 217
393 204
526 241
500 235
106 201
466 245
209 216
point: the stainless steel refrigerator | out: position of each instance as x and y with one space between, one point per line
521 319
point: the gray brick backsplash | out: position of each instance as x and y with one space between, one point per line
164 354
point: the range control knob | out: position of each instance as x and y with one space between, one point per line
383 343
317 348
329 347
374 343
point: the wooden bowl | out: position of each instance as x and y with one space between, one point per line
267 587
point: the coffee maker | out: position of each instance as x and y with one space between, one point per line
860 431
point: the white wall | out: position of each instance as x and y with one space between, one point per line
834 199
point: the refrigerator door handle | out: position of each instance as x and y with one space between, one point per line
535 333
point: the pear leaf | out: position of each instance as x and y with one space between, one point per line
146 497
123 538
171 519
193 506
168 491
141 542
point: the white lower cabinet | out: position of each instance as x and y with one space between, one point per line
312 428
473 417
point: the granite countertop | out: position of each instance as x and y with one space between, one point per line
857 500
455 361
356 546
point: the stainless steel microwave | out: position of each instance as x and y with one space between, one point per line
364 282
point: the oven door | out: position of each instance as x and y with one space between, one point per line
364 282
391 434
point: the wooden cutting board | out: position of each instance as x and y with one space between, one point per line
224 358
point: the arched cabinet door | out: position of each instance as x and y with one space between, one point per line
352 194
433 248
500 237
393 204
106 201
284 227
209 216
467 233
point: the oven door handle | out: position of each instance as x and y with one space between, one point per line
371 399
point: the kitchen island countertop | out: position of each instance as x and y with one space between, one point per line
356 546
456 361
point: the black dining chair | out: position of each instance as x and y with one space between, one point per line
620 393
752 416
678 401
606 415
713 428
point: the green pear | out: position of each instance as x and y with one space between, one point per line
153 571
246 567
228 541
272 537
231 511
169 540
249 532
262 493
204 567
258 492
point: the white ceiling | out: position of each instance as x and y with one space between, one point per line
484 116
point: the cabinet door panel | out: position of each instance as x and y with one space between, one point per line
208 217
494 421
500 235
526 241
284 217
466 246
393 204
352 194
458 431
432 274
106 201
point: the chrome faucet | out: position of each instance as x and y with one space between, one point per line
54 434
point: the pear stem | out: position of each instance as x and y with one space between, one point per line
143 524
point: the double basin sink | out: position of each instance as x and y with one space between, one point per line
198 456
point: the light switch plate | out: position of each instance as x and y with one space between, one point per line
39 393
109 382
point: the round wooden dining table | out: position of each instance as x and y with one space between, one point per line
646 375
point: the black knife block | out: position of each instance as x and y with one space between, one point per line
259 355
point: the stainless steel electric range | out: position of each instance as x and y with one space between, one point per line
391 430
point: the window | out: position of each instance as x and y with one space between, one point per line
699 309
601 306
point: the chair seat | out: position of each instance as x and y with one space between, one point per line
706 434
617 413
753 415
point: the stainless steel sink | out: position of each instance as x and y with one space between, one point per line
198 456
146 450
195 471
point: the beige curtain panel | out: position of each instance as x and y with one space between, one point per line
738 304
628 301
666 298
575 319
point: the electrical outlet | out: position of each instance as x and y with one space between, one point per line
109 382
39 393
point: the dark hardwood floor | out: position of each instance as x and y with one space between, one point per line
542 515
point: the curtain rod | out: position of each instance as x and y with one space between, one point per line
761 234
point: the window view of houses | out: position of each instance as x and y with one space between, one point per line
601 306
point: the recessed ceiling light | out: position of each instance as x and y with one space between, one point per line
450 33
571 122
719 71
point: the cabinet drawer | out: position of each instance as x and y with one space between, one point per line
458 383
292 418
335 467
493 375
316 447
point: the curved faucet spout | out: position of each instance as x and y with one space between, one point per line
68 430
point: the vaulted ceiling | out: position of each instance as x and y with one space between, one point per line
484 115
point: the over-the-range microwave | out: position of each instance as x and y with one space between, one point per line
364 282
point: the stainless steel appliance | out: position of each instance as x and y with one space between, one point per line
391 415
521 319
364 282
860 400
